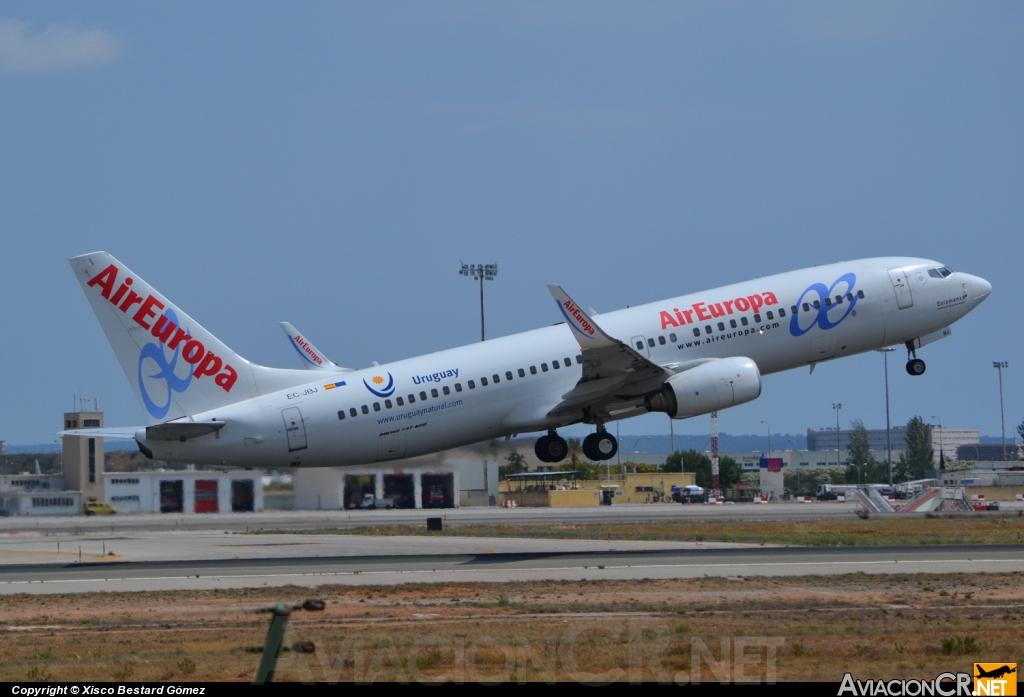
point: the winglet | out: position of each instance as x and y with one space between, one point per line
584 328
312 359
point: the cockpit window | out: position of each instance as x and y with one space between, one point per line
941 272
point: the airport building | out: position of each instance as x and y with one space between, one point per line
944 441
184 491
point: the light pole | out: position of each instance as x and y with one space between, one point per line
839 458
888 431
635 451
999 365
942 456
769 428
480 272
790 440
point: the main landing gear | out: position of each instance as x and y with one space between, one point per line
915 366
551 448
600 446
596 447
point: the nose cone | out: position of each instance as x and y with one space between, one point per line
981 288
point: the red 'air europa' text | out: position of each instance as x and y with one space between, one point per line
169 334
704 311
579 317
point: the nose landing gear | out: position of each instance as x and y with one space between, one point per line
915 366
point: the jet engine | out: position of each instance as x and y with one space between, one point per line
717 384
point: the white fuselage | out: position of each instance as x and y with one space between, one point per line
304 425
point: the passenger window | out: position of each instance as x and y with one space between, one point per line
483 382
508 374
366 409
533 370
555 364
782 312
376 406
433 393
757 316
661 340
770 315
839 300
423 396
793 309
860 294
696 331
472 385
743 321
544 367
707 328
807 308
400 401
522 373
672 338
721 326
732 323
568 363
387 403
849 296
446 390
352 412
650 342
579 358
341 415
640 345
458 387
817 304
496 378
828 302
412 399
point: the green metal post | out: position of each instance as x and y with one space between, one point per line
272 647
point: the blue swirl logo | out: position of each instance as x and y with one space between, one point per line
825 311
156 353
379 388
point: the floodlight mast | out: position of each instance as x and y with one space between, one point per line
480 272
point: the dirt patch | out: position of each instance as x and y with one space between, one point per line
808 628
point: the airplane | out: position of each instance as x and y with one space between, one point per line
685 356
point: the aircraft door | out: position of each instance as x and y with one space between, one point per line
295 429
641 346
901 284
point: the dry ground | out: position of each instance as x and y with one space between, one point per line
812 628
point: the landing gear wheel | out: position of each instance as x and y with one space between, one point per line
606 446
589 450
551 449
915 367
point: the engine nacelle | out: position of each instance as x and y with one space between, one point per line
717 384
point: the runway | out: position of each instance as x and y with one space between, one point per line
269 561
294 520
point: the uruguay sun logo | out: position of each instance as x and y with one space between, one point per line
381 387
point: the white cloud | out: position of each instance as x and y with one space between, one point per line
55 48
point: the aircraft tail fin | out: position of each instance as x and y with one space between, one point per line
175 366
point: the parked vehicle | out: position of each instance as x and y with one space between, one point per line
689 494
371 502
98 508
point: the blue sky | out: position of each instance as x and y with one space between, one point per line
330 164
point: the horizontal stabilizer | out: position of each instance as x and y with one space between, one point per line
121 432
183 430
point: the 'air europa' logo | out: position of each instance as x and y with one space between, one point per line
170 336
841 286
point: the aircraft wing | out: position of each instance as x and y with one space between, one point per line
312 359
614 374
